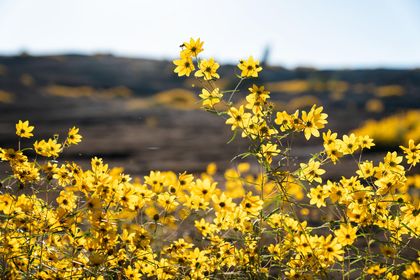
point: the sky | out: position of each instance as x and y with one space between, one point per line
315 33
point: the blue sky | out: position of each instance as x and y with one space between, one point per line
319 33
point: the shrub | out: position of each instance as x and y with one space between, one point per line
61 221
393 130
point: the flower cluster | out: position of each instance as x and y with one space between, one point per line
59 220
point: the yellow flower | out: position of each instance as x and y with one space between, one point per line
333 250
277 251
366 170
357 214
243 167
329 138
167 201
222 203
195 202
204 227
184 66
349 144
156 180
304 244
365 142
336 192
192 48
132 274
24 130
204 188
312 171
252 204
390 276
331 146
7 203
211 169
54 148
73 137
127 197
284 120
94 204
222 220
67 200
259 92
346 234
241 221
238 117
333 152
257 99
376 270
257 127
388 184
208 69
268 151
392 163
249 68
297 123
412 152
211 98
412 271
313 121
63 176
387 251
318 196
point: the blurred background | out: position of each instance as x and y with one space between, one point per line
106 67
